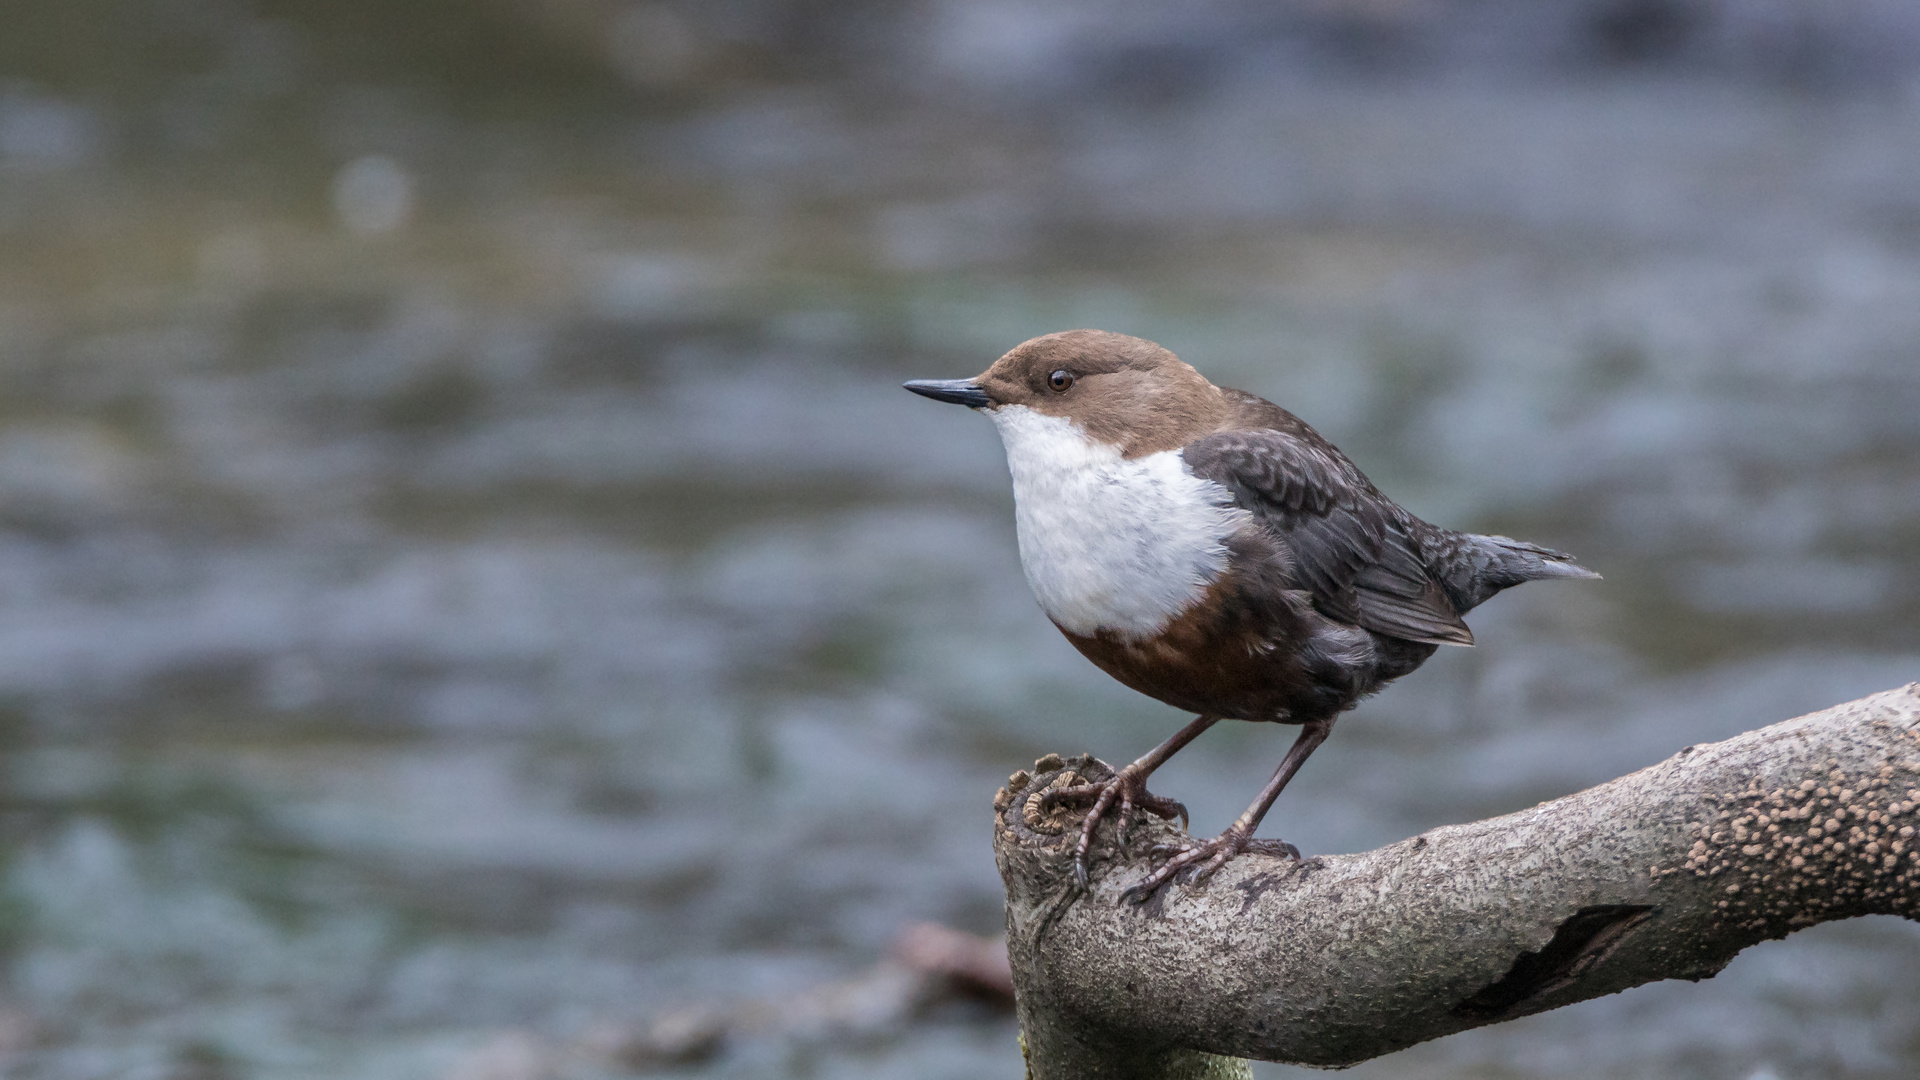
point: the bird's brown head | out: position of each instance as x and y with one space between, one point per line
1122 390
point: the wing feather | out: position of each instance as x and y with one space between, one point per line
1352 549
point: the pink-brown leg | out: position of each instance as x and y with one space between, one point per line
1129 788
1238 836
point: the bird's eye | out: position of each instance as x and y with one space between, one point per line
1060 381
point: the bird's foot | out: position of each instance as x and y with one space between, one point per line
1210 855
1128 787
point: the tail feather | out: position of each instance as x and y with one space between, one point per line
1472 567
1560 568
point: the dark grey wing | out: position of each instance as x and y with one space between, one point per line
1352 549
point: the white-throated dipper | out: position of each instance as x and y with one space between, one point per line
1209 549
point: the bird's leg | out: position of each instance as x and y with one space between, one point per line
1239 835
1129 786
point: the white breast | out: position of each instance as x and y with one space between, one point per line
1109 543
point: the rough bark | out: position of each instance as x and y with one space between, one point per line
1662 874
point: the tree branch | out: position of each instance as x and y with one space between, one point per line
1662 874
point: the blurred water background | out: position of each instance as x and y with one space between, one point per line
468 573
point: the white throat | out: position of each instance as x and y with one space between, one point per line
1109 543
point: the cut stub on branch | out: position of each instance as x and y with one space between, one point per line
1663 874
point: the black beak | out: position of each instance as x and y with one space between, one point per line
959 391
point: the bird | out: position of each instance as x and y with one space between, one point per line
1209 549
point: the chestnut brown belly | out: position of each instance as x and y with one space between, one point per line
1219 660
1254 657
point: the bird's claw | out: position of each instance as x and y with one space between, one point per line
1129 788
1216 852
1276 848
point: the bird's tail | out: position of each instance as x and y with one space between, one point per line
1473 567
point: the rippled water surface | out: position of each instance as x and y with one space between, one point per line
468 573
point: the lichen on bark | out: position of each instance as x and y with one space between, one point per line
1665 873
